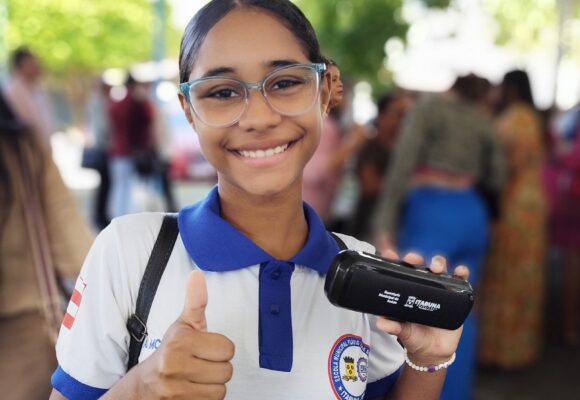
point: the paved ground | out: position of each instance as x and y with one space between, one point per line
556 377
557 374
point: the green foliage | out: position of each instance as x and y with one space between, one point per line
523 23
354 32
76 35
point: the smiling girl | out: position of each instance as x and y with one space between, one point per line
240 311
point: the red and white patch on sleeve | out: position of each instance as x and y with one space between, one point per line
74 303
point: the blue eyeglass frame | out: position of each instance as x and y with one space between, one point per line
320 68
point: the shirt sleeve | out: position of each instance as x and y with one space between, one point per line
93 340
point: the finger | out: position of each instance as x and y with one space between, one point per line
205 392
461 272
390 253
185 343
384 244
193 312
388 326
438 264
210 372
399 329
212 347
414 258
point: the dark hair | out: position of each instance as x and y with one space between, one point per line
384 101
518 82
471 87
206 18
330 62
19 55
130 80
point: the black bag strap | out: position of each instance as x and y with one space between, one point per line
137 323
339 241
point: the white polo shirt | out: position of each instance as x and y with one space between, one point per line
290 341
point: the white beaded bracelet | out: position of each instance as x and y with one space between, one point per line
430 367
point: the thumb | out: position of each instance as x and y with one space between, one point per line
193 313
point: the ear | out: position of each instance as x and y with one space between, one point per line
325 85
186 108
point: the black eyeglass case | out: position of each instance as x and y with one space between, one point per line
397 290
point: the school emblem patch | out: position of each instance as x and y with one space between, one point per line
347 367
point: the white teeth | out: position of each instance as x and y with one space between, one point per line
263 153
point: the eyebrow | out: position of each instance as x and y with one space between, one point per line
219 71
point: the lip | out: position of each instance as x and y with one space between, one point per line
265 162
262 145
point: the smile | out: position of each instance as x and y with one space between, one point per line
264 153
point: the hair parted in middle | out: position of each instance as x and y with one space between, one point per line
213 12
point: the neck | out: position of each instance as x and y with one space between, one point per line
275 223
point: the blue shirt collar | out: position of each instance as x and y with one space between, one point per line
216 245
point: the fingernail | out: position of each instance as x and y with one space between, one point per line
437 261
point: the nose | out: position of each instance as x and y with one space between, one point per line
258 116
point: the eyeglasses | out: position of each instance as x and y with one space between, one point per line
220 102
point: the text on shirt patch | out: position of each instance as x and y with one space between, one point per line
347 367
151 343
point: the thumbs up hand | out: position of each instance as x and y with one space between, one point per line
190 363
195 302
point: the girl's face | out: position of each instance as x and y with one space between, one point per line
247 44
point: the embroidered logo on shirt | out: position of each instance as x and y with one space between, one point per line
347 367
74 303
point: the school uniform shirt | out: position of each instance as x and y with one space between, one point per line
290 341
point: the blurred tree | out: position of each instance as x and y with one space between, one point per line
354 33
524 24
529 25
73 35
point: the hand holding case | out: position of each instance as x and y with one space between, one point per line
397 290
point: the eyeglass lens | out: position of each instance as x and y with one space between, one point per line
290 91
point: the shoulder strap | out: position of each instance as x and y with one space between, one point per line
338 241
52 306
137 323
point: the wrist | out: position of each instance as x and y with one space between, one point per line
129 387
429 363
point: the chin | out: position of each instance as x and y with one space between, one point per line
269 187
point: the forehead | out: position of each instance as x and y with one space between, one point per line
246 39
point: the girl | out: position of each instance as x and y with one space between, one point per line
252 317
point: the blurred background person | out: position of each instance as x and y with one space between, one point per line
162 168
99 128
562 184
132 150
324 170
512 292
431 204
373 160
43 238
25 95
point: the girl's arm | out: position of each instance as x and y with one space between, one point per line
55 395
